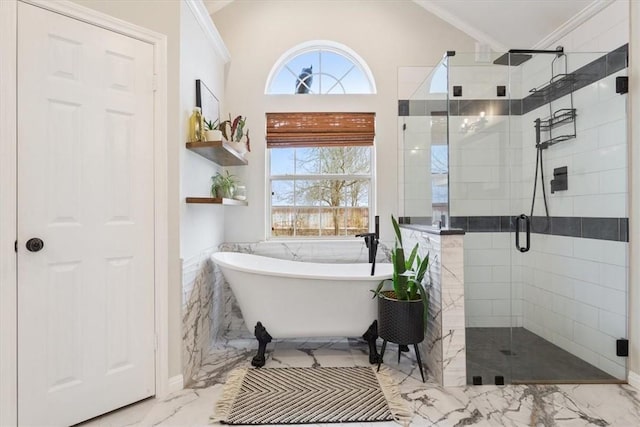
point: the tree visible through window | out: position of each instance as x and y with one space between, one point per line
320 191
321 172
321 163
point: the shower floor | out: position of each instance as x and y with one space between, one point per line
530 359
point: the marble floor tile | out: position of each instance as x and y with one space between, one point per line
431 404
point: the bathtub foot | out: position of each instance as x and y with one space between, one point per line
370 337
263 338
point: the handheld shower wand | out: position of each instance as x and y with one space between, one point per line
371 240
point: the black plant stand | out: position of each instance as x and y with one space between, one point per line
415 347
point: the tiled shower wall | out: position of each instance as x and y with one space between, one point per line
414 145
481 160
571 288
575 296
575 289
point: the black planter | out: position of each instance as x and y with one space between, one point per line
400 322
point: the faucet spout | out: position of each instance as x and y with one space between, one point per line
371 241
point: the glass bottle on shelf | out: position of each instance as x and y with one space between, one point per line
240 193
195 125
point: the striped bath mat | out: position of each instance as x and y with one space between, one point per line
309 395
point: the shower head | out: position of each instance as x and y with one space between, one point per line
513 59
516 57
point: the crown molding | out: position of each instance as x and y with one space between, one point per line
574 22
201 14
215 5
461 25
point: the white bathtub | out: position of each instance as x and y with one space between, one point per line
295 299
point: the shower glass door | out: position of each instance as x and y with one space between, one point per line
538 178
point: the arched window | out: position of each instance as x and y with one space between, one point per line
320 68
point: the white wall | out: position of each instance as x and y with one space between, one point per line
386 34
201 225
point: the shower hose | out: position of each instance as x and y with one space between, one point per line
539 165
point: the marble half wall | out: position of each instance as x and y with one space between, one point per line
327 251
444 347
198 328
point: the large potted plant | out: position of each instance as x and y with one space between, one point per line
402 311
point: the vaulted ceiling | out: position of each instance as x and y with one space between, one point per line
501 24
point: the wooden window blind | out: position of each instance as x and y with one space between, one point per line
320 129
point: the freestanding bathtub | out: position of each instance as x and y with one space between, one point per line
293 299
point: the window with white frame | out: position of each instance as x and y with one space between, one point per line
320 68
321 173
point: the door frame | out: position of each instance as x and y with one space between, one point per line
8 192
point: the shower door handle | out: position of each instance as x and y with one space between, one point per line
527 223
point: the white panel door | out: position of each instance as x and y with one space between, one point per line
85 188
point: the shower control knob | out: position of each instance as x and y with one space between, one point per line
34 244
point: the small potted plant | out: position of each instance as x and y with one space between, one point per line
235 132
223 185
211 131
402 311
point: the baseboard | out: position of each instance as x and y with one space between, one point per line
175 384
634 380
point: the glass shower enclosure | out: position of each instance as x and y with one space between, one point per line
527 152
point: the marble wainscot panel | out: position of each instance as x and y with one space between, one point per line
343 251
444 345
198 329
228 314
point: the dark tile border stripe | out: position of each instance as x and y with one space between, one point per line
615 229
597 69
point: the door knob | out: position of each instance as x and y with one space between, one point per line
34 244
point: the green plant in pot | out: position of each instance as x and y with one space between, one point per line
402 311
211 131
223 185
